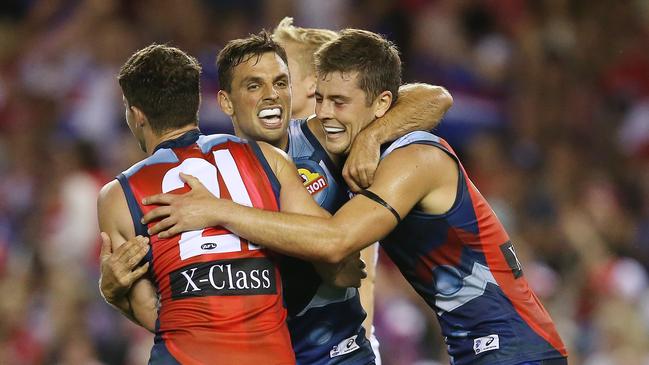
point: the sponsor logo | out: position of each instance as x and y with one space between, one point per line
208 246
487 343
313 181
507 249
249 276
344 347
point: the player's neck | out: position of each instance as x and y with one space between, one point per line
155 140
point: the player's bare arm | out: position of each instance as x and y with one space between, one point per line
119 269
193 210
414 175
420 107
117 228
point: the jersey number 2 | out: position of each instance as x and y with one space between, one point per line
193 243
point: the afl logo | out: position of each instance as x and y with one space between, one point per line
313 181
208 246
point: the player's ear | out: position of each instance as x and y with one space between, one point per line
382 103
139 116
225 103
311 81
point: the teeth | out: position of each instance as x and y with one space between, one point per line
275 112
334 129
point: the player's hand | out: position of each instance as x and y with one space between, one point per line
347 273
118 269
362 162
181 212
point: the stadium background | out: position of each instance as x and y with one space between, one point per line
551 117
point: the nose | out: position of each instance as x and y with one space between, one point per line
324 110
270 93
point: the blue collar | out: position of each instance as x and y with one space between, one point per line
184 140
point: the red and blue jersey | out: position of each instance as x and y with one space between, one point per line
220 295
463 264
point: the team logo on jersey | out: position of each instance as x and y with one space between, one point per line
344 347
313 181
248 276
507 249
487 343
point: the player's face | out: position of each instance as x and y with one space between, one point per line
261 99
342 109
302 83
130 117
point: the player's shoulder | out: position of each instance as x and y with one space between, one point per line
410 139
110 189
110 195
272 153
417 150
208 141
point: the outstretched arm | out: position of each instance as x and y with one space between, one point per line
402 180
193 210
420 107
140 304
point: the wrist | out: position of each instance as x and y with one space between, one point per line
370 136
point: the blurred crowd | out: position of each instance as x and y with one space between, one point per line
550 116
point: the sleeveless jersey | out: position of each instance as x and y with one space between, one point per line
465 267
220 296
325 322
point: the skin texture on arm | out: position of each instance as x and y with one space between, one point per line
195 209
411 175
420 107
140 304
118 270
295 199
366 291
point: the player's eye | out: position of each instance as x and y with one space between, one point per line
253 87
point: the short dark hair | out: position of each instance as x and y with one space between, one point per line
238 51
375 58
163 82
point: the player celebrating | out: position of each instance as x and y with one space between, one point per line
220 297
429 217
253 75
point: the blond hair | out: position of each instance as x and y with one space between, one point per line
308 40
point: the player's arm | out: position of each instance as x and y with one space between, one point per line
294 198
140 303
194 209
119 270
402 180
420 107
366 291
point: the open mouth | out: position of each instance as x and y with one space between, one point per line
333 132
271 118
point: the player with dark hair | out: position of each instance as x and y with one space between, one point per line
429 217
324 321
220 296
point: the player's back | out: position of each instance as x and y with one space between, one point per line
464 265
220 296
